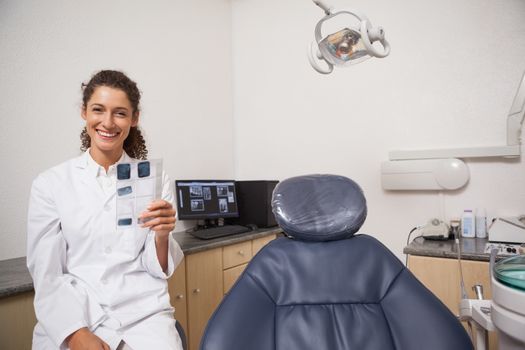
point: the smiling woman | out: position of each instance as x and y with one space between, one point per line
111 100
98 287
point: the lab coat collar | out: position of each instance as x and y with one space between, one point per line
86 162
90 170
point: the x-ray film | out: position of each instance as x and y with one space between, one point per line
138 184
123 171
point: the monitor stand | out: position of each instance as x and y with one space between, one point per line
206 224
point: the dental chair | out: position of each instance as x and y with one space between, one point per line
326 288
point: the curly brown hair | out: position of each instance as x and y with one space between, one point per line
134 145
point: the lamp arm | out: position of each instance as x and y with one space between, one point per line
514 124
516 115
327 9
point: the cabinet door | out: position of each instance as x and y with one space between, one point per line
177 289
204 290
17 320
442 277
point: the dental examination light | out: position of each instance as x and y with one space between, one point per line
350 45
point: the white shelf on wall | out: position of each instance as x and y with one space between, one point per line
468 152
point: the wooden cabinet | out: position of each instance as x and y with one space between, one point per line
17 320
204 289
442 277
235 259
177 289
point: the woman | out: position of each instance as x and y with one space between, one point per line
97 287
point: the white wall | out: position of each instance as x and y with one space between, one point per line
179 52
449 82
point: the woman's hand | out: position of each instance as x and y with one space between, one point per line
160 218
83 339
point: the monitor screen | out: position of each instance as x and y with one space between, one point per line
206 199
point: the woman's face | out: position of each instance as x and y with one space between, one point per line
109 116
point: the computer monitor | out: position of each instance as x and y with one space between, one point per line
206 199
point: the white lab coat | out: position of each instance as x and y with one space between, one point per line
88 274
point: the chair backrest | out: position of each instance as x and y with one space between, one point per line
319 292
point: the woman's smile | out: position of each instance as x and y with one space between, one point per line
107 135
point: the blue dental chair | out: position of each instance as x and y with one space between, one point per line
325 288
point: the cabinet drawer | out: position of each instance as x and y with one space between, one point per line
236 254
231 275
259 243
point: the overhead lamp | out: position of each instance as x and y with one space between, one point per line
350 45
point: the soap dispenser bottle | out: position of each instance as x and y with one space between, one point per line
468 224
481 223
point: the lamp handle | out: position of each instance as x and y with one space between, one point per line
369 35
315 62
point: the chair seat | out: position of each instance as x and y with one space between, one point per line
334 295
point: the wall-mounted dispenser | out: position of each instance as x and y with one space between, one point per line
424 174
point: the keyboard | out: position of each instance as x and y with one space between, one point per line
220 231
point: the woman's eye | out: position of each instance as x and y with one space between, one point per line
97 110
121 114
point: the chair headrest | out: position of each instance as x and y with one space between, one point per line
319 207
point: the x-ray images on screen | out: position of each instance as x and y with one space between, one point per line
206 199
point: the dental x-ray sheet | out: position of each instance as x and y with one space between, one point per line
138 184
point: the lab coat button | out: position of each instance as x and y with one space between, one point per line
107 208
107 250
104 281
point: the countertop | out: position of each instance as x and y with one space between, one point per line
471 248
15 278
